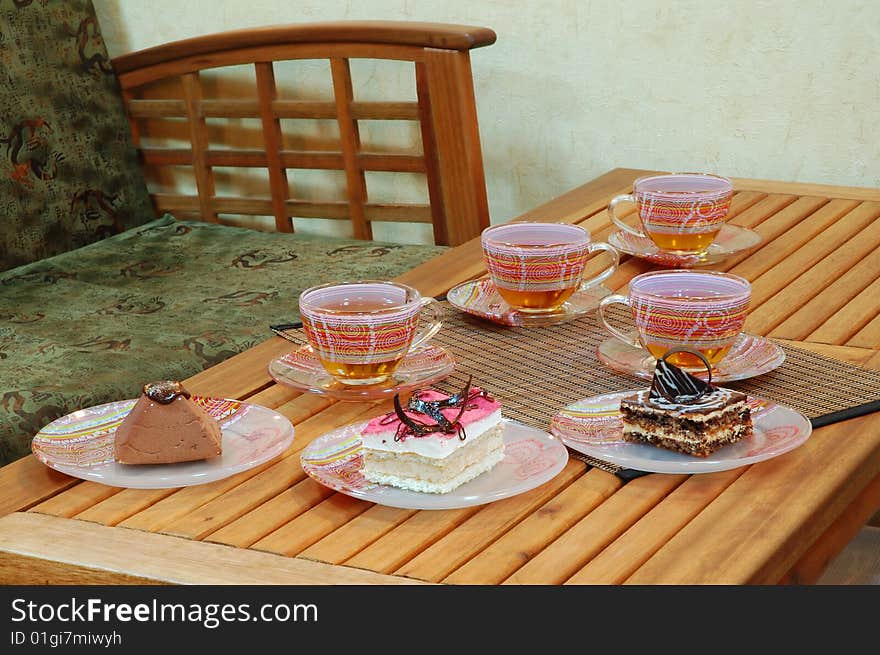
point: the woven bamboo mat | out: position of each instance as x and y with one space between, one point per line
534 372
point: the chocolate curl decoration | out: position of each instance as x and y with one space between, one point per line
676 385
432 408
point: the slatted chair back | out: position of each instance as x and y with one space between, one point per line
445 109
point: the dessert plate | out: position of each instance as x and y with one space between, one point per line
750 355
593 427
81 445
730 240
301 370
479 297
531 458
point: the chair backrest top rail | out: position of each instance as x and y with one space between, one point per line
391 33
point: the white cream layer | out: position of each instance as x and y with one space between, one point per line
691 439
437 446
443 486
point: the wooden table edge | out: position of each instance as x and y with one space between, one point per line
42 549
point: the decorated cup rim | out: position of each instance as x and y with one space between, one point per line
726 189
742 294
413 296
582 234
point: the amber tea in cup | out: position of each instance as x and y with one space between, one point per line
361 331
679 212
536 267
704 311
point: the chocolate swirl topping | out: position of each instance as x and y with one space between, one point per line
410 426
165 392
676 385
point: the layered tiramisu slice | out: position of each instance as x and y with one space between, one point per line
436 443
682 412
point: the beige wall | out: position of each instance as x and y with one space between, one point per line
781 89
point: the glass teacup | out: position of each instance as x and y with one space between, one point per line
361 331
702 310
536 267
679 212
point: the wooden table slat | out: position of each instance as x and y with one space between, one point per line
807 189
281 475
868 336
34 546
489 524
770 227
616 562
271 515
765 521
810 567
350 539
504 556
805 232
120 506
813 275
841 309
766 207
313 525
76 499
583 540
28 482
411 537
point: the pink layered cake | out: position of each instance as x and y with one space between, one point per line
436 443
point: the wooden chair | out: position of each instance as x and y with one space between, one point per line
445 109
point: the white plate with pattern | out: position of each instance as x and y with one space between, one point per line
592 426
80 444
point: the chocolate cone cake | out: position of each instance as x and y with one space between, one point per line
165 426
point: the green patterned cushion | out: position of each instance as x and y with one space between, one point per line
164 300
69 174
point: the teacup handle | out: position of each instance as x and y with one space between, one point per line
619 222
608 272
436 311
609 300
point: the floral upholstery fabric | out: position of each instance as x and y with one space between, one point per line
69 174
164 300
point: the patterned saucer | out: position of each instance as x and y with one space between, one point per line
301 370
750 355
730 240
592 426
479 298
531 458
80 444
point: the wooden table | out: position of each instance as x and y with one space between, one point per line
815 281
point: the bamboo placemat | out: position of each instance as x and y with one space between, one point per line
535 372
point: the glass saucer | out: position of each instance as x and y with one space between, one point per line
730 240
750 355
301 370
479 298
593 427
